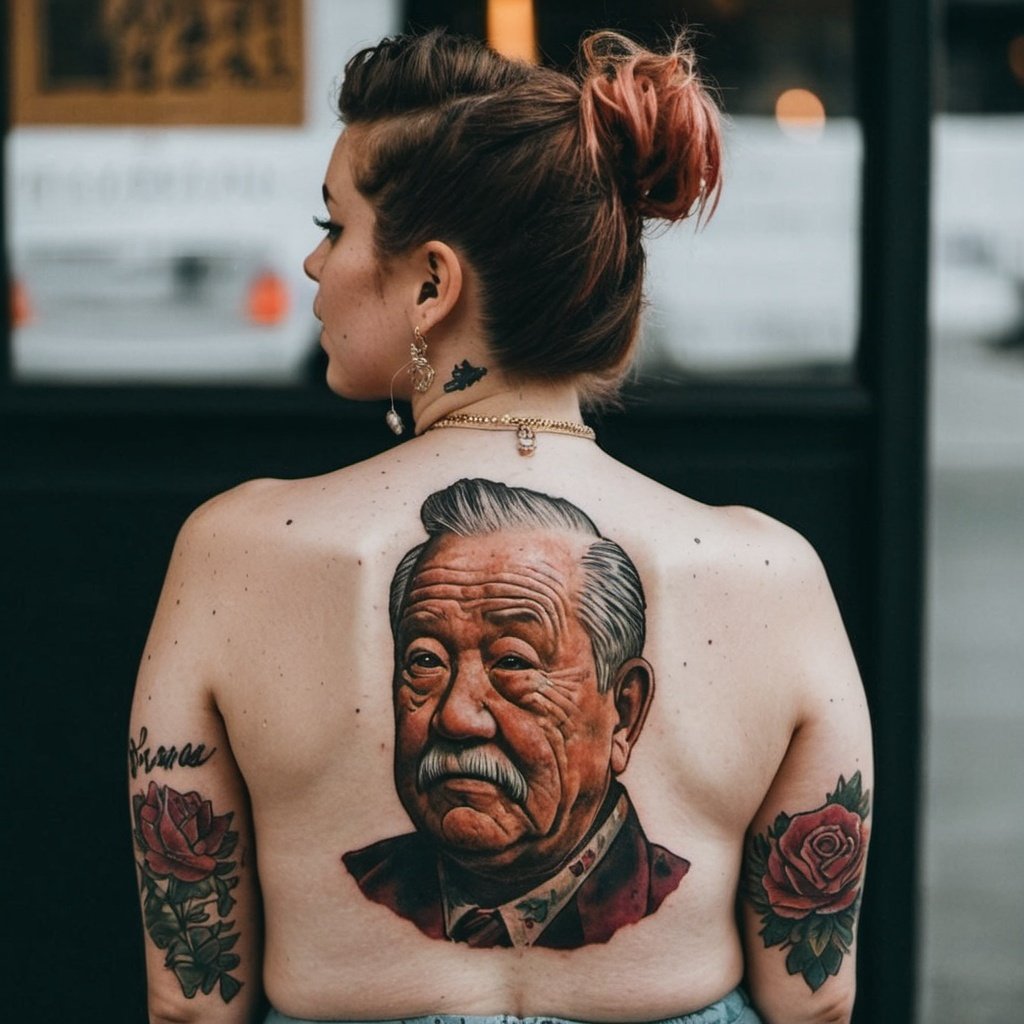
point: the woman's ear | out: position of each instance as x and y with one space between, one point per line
437 276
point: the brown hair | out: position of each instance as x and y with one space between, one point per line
541 179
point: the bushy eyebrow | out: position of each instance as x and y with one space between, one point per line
414 613
500 615
325 192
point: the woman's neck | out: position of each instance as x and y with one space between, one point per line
497 396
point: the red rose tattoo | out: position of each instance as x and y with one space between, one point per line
815 865
186 881
803 876
181 834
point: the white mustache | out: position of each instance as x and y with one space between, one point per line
443 760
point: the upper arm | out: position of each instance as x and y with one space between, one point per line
806 846
191 827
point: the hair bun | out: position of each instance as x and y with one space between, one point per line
648 117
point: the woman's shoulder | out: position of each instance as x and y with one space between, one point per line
248 511
736 536
267 505
751 535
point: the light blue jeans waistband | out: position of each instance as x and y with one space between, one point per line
734 1008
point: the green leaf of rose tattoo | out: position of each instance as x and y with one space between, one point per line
186 877
803 878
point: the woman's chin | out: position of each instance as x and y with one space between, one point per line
343 385
335 381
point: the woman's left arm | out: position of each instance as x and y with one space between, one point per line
191 824
807 845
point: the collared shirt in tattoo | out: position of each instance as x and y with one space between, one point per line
526 916
627 882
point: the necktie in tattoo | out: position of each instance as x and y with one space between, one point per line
482 929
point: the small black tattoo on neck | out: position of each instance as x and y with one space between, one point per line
142 756
464 375
428 291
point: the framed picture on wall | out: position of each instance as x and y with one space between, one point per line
157 62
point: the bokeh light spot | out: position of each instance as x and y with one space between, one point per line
800 114
511 28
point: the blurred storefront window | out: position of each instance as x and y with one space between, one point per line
158 222
163 169
163 165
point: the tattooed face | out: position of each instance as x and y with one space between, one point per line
503 743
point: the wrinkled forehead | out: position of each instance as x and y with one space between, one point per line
508 549
543 560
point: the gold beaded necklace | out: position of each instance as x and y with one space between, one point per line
526 427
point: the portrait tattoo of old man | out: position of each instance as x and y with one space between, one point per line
519 691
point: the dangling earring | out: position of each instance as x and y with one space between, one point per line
391 417
420 370
422 374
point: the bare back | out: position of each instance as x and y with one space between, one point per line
273 649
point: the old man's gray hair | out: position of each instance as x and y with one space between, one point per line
611 600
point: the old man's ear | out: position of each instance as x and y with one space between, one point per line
633 689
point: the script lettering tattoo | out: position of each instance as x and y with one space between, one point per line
142 756
519 689
186 877
803 877
464 375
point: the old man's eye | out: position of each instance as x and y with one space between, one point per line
513 663
424 659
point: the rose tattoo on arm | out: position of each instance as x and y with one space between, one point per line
803 877
186 880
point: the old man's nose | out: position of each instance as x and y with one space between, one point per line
463 712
